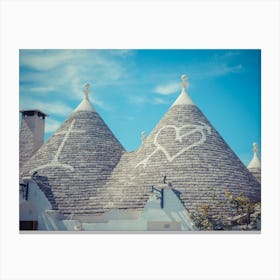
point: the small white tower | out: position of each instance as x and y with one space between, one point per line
255 164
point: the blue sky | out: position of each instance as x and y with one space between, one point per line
133 89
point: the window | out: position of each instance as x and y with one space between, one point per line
28 225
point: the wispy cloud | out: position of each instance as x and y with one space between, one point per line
160 101
217 66
46 60
41 89
99 102
67 71
227 54
217 70
51 125
138 99
167 88
56 108
122 53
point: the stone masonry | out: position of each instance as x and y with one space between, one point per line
31 134
75 162
199 164
83 169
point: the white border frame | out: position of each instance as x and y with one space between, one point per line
155 24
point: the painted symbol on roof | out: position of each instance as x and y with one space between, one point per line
55 162
173 141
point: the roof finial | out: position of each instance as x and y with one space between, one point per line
255 163
85 105
143 136
183 98
184 81
86 89
255 148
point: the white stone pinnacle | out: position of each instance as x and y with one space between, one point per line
85 105
183 98
255 163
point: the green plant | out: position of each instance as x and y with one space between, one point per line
242 206
202 218
246 214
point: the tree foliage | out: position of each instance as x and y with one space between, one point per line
246 215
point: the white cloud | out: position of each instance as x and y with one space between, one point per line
160 101
122 53
218 65
41 89
51 125
66 71
167 89
55 108
236 69
98 102
46 60
227 55
138 99
217 70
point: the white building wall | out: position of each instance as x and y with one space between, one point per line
173 216
173 211
34 208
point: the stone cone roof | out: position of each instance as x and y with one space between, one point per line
76 161
187 149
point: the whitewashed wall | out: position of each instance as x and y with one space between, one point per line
34 208
173 216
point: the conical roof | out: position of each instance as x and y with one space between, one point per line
76 161
195 159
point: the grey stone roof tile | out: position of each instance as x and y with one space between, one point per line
88 171
190 152
76 161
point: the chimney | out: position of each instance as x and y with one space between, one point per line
31 136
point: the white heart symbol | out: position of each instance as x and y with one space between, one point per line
191 128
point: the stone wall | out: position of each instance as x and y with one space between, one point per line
31 136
